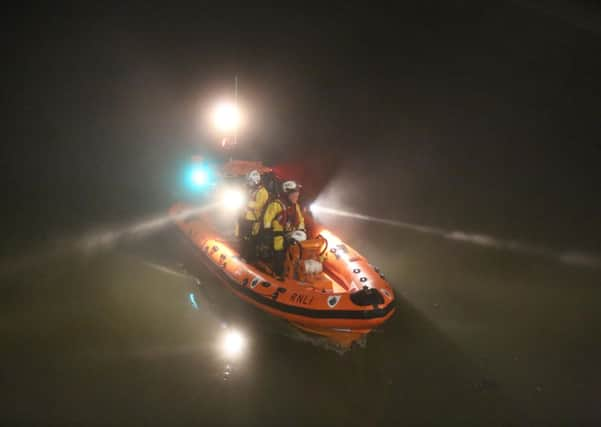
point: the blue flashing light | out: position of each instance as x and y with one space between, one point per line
199 177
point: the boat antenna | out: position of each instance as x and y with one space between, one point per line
236 107
236 104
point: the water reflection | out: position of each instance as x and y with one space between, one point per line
232 344
120 336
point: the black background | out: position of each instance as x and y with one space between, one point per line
462 115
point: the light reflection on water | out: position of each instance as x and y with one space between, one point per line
96 333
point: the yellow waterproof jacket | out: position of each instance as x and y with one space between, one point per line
275 219
257 200
254 209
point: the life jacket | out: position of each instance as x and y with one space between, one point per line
288 217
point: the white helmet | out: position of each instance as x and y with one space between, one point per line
253 177
290 186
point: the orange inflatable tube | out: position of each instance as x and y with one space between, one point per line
328 289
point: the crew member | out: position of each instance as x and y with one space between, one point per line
248 226
282 216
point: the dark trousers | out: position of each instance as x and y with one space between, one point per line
248 248
278 262
248 242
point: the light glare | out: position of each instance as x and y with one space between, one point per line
232 199
233 343
226 117
199 177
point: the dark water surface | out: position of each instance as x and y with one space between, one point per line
480 338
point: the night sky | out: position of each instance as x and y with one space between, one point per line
467 114
464 115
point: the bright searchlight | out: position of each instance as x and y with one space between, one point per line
232 199
227 117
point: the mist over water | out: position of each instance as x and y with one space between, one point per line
575 258
139 229
92 242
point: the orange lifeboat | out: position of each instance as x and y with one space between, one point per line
328 289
